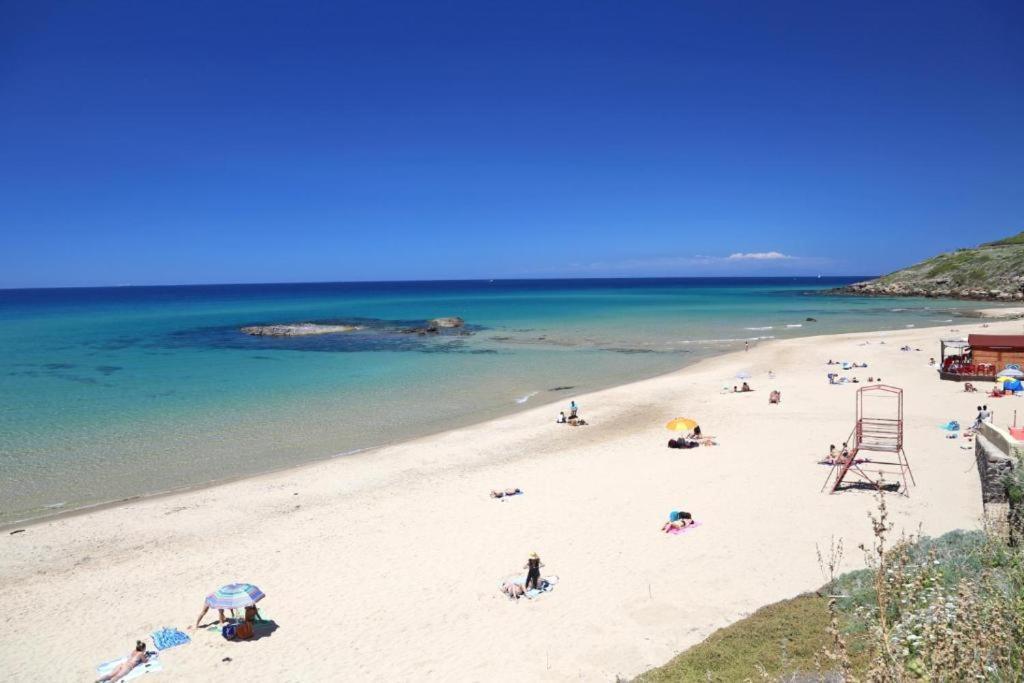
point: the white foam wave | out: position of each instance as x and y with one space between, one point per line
524 399
796 325
758 329
730 340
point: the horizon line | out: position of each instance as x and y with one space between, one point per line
440 280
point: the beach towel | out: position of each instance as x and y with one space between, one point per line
547 584
168 637
676 532
151 667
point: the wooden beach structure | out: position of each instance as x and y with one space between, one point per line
878 429
980 357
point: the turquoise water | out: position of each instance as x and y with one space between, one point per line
111 393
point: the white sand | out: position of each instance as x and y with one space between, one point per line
384 566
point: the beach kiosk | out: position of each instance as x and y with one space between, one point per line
980 357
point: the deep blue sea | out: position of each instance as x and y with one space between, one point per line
115 392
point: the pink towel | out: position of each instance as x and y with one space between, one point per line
676 532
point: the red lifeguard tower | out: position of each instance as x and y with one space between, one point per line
879 429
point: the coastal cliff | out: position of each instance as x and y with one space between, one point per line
989 272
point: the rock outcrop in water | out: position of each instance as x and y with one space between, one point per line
297 330
435 325
990 272
449 322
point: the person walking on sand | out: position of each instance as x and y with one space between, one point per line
532 568
138 656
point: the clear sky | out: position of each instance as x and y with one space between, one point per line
179 142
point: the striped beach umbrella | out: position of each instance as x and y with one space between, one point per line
234 596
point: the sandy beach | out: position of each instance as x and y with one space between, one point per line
385 565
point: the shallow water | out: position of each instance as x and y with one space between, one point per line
115 392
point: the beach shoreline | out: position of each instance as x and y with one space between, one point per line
594 498
990 314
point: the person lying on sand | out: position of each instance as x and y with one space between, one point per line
513 590
685 520
507 492
138 656
577 422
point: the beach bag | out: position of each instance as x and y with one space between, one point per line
228 631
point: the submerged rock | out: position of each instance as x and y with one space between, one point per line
297 330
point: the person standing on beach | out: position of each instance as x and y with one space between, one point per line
532 567
572 409
746 346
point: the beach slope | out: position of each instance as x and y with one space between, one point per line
385 565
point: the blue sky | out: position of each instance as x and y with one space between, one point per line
181 142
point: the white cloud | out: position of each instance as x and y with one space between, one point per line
759 256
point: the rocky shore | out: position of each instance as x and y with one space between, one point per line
940 290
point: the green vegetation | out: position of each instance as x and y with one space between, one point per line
783 638
994 270
1015 239
945 609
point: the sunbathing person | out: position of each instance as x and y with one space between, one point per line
685 519
745 387
775 397
513 590
507 492
969 388
138 656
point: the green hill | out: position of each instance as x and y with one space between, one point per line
992 271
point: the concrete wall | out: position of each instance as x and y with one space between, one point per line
997 454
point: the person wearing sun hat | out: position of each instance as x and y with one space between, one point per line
532 567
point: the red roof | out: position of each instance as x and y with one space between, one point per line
996 341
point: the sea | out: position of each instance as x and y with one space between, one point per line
111 393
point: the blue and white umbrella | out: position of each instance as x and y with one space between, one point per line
234 596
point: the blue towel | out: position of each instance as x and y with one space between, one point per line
169 637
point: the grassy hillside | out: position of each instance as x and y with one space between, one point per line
991 271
